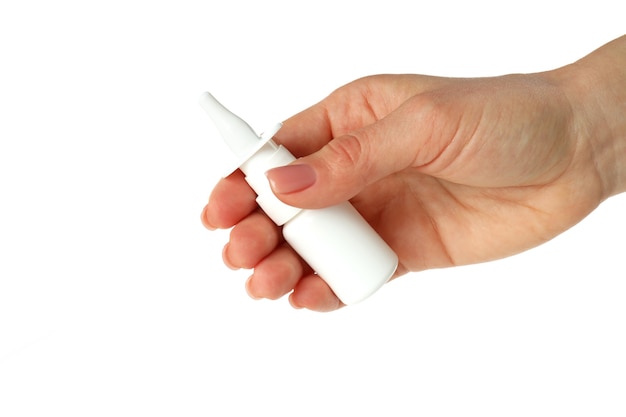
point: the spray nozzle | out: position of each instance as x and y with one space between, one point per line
236 133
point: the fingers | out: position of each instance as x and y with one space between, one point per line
276 275
282 272
232 199
251 240
278 270
313 293
256 243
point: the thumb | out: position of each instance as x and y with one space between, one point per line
346 164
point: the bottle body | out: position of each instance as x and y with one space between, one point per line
337 242
343 249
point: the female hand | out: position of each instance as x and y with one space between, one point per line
448 171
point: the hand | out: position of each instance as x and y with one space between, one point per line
448 171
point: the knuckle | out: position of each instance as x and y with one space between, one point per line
347 151
348 162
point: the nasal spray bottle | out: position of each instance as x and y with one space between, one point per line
340 246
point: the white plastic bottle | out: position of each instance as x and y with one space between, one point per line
340 246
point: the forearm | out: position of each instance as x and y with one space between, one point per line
596 87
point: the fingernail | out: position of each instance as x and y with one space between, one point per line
291 178
226 259
248 289
205 220
294 304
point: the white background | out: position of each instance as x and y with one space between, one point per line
113 297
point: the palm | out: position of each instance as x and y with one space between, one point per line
434 223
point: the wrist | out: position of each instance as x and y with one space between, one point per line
596 88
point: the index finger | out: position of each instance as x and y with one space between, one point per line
306 132
231 200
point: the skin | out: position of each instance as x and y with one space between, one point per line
448 171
